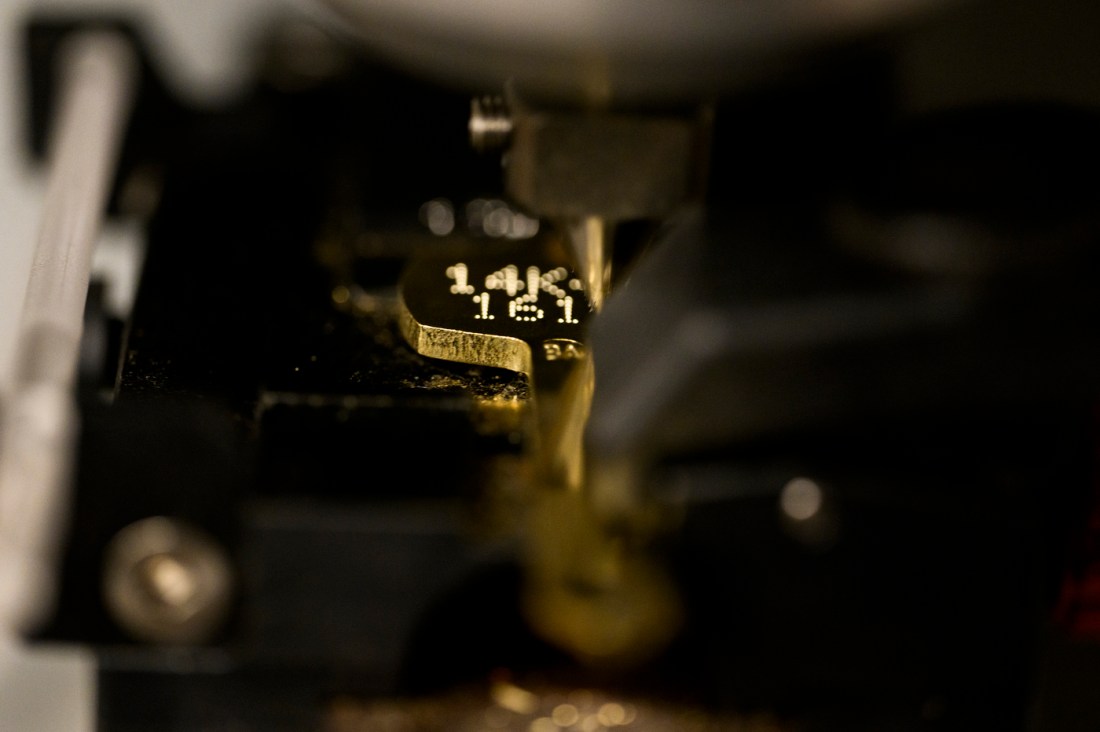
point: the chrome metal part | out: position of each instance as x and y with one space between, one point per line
490 123
624 51
167 582
39 420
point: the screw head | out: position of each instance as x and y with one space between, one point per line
167 582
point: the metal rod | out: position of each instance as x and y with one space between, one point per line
38 423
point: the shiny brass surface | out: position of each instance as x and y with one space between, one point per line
491 310
590 240
591 590
465 347
520 315
512 705
588 589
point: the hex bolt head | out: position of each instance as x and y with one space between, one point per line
167 582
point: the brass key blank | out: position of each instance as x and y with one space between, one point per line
492 312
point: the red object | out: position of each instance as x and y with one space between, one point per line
1078 608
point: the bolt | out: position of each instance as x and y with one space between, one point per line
167 582
490 123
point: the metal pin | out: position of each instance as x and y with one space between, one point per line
490 123
590 241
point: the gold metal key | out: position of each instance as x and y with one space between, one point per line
587 588
525 315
